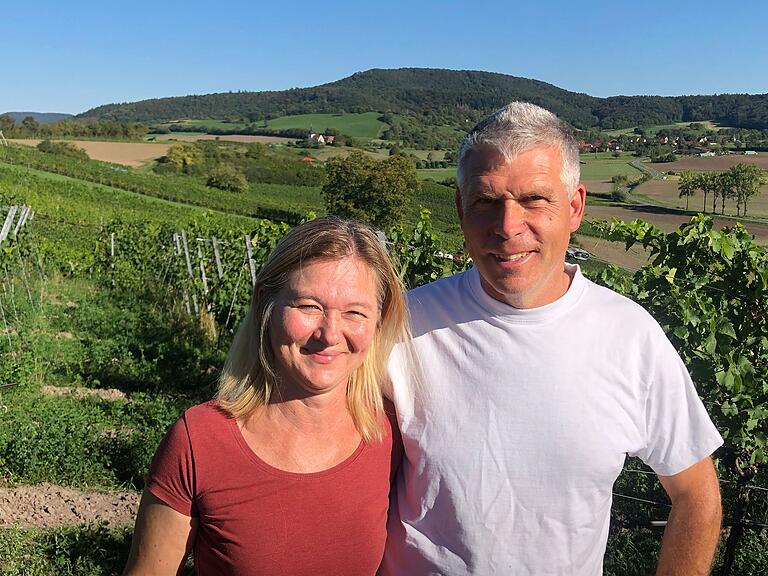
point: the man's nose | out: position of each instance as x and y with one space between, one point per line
510 220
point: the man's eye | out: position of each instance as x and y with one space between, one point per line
309 307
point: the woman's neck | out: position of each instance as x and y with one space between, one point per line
302 435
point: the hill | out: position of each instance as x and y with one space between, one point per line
41 117
436 97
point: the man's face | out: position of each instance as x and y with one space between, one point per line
517 218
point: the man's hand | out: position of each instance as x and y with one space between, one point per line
693 528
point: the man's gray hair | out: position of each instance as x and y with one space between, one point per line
518 127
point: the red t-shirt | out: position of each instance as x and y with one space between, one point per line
255 519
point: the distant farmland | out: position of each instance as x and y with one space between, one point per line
365 125
712 163
126 153
665 193
192 137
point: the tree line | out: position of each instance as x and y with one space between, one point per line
739 183
89 128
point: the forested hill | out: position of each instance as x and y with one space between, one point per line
447 97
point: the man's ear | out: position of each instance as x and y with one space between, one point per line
459 205
577 203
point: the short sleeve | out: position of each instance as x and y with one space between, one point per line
172 471
678 431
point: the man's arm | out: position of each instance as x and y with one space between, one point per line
693 527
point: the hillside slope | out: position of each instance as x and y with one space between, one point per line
446 97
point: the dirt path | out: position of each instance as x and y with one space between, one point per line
49 506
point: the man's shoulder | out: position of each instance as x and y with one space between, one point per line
438 290
440 296
609 304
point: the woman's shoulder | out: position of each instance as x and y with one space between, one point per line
204 422
210 411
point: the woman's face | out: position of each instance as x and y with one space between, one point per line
323 324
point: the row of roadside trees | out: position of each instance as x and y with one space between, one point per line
739 183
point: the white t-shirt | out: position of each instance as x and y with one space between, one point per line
521 424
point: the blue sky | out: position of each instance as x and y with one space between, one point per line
74 55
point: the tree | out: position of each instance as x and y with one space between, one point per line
746 180
376 192
7 124
30 125
184 155
686 186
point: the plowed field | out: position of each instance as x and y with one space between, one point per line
126 153
712 163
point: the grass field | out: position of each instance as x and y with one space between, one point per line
422 154
707 124
436 174
325 152
364 125
602 167
195 136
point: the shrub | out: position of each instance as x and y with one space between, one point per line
227 177
63 149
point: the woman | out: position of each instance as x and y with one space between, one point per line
288 470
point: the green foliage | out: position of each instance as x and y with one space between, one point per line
376 192
226 177
418 253
63 149
709 291
69 128
184 155
89 550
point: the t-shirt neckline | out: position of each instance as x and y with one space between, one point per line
539 315
265 466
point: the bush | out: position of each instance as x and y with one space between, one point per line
63 149
227 178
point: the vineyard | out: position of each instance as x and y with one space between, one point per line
130 282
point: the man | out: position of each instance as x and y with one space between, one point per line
534 386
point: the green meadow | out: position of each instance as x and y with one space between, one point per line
364 125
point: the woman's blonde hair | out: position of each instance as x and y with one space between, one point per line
249 378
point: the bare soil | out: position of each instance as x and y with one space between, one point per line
598 186
614 252
666 192
667 220
712 162
125 153
49 506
